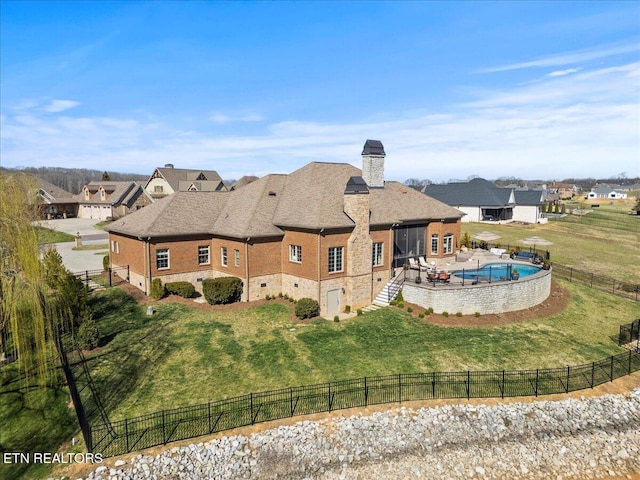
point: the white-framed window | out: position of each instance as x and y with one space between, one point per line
115 248
295 253
335 259
377 256
236 258
447 246
162 258
223 256
434 244
203 255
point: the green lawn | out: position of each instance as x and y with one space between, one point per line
605 241
183 355
46 235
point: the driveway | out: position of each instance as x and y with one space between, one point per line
80 260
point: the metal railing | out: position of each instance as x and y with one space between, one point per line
166 426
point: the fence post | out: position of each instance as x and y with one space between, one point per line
593 367
568 371
537 382
86 278
366 391
291 401
251 406
612 368
329 399
209 411
433 384
164 433
629 363
126 433
110 273
502 391
469 372
399 389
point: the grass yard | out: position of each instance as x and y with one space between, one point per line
185 355
46 235
605 241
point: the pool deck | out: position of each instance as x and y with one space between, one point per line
472 260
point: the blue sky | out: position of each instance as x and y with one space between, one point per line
453 89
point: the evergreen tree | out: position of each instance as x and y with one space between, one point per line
105 177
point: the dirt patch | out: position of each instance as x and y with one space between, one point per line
557 301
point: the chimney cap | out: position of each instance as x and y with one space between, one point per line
168 165
356 185
373 147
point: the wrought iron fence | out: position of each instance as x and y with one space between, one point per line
104 278
597 281
166 426
629 333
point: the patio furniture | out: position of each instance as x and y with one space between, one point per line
423 262
444 277
414 265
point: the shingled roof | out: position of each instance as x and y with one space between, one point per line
477 192
308 198
53 194
174 177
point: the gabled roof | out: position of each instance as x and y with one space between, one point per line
117 192
311 197
244 181
529 197
52 194
475 193
174 176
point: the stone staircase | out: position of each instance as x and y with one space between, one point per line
388 292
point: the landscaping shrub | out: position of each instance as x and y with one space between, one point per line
400 304
359 312
336 318
477 314
54 269
157 289
399 297
105 262
421 315
184 289
459 314
87 336
409 309
222 290
393 302
72 298
445 314
307 308
347 308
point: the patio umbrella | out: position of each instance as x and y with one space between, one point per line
486 236
535 240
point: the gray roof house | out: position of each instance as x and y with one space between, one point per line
167 180
55 202
103 200
482 201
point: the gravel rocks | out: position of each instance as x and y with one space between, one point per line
587 438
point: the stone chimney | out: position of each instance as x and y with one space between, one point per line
359 245
373 163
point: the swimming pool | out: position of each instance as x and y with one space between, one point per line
496 272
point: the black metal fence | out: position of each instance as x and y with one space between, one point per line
124 436
629 333
104 278
597 281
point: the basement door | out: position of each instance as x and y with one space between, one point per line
333 301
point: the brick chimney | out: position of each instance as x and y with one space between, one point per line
373 163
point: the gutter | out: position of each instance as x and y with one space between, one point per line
246 265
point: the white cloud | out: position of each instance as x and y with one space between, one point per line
223 118
583 124
561 73
57 106
570 57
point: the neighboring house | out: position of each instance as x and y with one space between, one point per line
55 202
528 208
111 200
246 180
606 192
327 231
562 190
483 201
167 180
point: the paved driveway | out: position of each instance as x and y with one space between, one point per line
80 260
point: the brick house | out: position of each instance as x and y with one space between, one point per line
327 231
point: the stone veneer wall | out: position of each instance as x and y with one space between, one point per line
484 298
305 288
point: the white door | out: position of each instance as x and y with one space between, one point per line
333 302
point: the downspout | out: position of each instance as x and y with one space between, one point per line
392 270
319 268
147 266
246 264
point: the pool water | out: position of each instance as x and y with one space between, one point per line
496 272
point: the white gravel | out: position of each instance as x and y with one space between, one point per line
575 438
